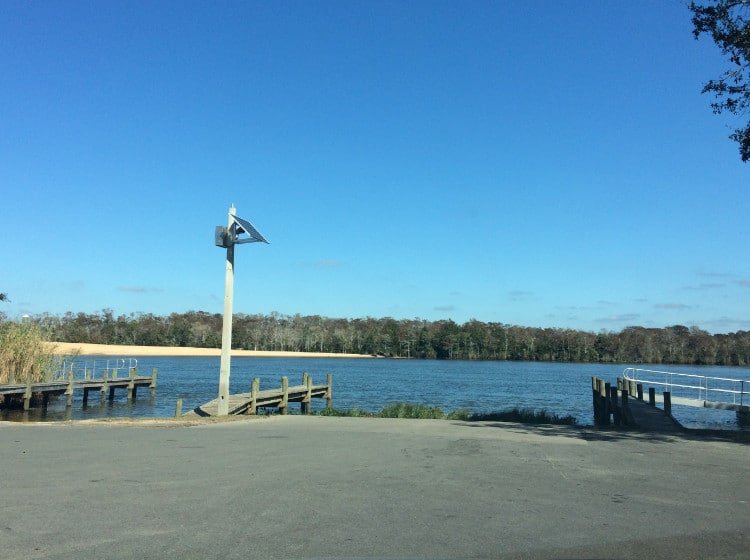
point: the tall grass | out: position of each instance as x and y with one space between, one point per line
25 357
409 410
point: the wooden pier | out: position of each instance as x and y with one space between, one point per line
623 405
250 402
106 386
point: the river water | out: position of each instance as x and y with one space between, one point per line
370 384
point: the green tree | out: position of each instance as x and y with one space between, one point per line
726 21
3 297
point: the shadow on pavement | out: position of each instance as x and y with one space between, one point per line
590 433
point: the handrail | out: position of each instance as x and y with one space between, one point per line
79 368
720 386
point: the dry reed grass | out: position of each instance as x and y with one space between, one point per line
25 357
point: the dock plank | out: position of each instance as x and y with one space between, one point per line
239 403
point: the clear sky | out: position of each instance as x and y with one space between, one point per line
548 164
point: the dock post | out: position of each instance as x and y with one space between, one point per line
104 385
254 388
114 373
27 397
668 402
87 374
85 396
305 404
596 404
652 396
625 407
69 391
615 407
178 408
329 391
607 403
284 395
639 391
152 386
131 384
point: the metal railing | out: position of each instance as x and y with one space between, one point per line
82 368
688 385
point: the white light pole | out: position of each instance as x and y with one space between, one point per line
228 237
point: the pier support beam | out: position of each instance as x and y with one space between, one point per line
668 402
69 391
152 386
27 397
284 395
329 391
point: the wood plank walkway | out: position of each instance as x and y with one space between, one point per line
106 385
248 403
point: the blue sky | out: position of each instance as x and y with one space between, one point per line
548 164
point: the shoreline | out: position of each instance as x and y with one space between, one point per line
88 349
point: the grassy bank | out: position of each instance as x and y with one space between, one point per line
409 410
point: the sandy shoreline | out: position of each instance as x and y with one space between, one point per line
86 349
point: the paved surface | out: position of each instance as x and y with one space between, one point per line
311 487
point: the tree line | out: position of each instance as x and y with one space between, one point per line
413 338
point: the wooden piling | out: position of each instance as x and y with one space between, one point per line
329 390
27 397
252 408
131 385
616 417
668 402
306 403
152 386
595 399
105 385
284 395
652 396
69 391
85 396
178 408
639 391
607 403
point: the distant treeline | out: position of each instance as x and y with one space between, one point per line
474 340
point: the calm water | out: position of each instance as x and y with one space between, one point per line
371 384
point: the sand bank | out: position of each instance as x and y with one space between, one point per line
86 349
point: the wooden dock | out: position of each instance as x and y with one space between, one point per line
106 386
249 403
623 405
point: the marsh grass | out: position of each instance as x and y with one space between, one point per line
25 357
409 410
523 416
